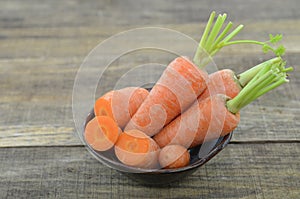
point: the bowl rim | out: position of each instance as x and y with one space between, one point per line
220 145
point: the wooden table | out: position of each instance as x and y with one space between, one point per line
42 45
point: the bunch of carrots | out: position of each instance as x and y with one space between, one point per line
186 106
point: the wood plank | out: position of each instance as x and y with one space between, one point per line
240 171
33 13
32 135
76 42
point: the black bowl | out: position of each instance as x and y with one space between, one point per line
159 176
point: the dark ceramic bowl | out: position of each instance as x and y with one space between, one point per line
159 176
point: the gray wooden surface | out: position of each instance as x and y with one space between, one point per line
43 43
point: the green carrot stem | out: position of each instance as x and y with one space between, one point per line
279 51
209 43
198 53
208 49
235 104
264 70
272 75
207 29
289 69
266 80
215 30
212 41
221 36
232 34
246 76
271 87
242 42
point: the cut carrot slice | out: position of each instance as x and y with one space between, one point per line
134 148
101 133
103 105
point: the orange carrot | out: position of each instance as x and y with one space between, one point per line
227 82
182 81
134 148
177 88
103 106
222 82
208 117
218 115
101 133
174 156
120 104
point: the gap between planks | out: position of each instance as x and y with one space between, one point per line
252 142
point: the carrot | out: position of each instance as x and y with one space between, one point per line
174 156
134 148
182 82
218 115
101 133
120 104
227 82
191 127
222 82
179 85
103 106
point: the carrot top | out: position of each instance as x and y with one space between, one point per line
272 75
245 77
213 40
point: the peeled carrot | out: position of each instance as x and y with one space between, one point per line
219 115
120 104
101 133
134 148
222 82
179 85
219 120
205 117
174 156
227 82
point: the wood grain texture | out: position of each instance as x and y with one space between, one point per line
240 171
42 45
31 135
121 13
